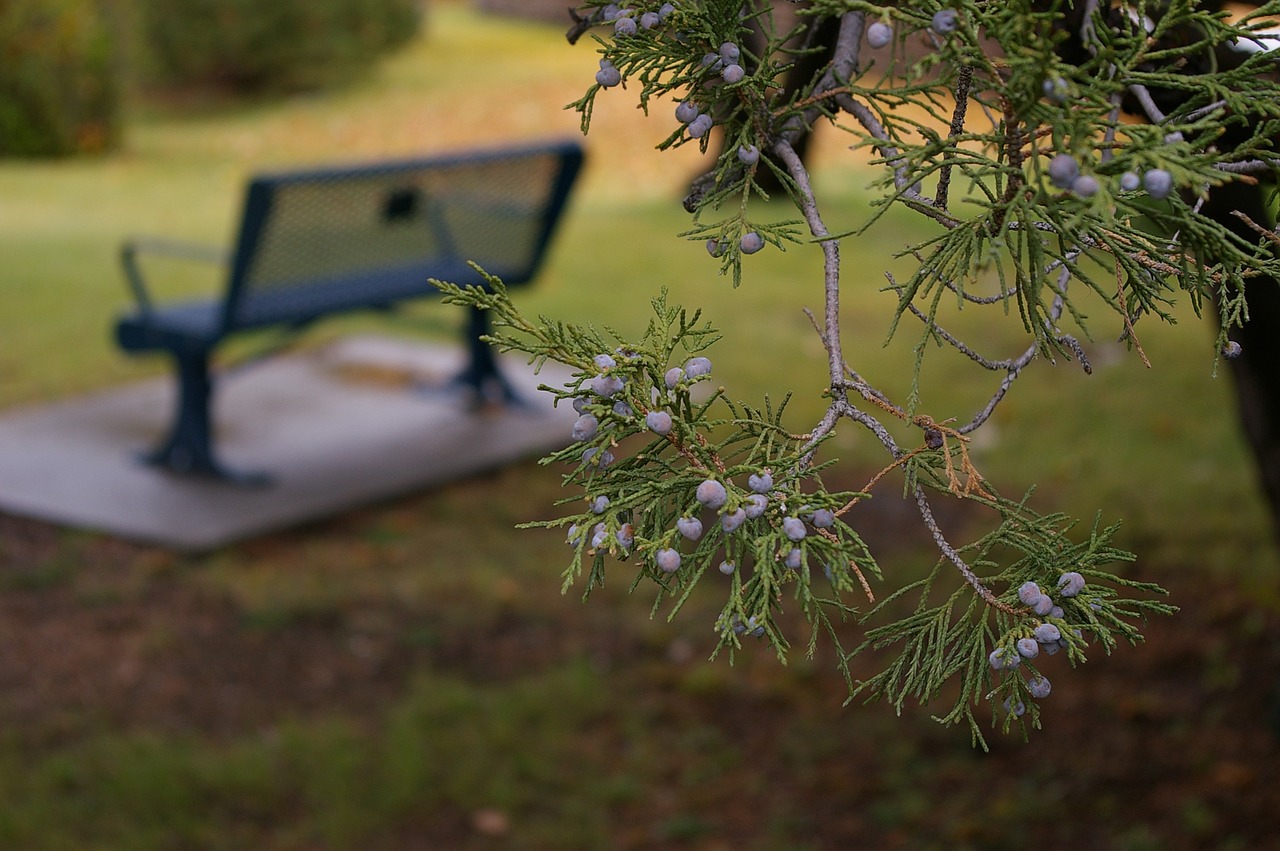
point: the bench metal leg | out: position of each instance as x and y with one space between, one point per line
481 374
188 449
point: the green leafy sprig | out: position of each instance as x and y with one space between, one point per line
1009 129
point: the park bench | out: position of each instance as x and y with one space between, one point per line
320 242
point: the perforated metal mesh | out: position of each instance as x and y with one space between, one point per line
362 236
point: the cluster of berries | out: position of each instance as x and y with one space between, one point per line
1045 637
605 385
726 62
626 22
614 401
713 495
1064 173
600 403
659 421
696 116
749 243
944 22
750 625
625 534
793 527
608 76
697 122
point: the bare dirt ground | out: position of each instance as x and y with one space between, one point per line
1175 744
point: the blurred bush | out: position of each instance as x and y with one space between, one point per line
59 81
250 46
553 11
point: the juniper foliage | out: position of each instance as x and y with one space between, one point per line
963 127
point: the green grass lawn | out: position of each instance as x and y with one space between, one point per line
520 718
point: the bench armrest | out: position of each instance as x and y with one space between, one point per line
131 248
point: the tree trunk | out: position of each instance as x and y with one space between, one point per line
1256 371
820 35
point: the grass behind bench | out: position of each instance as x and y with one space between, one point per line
1116 440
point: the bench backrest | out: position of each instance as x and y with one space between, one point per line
322 241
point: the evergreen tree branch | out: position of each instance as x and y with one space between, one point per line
1040 187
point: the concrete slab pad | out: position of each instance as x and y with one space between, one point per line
336 428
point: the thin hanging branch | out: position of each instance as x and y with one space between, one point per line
1059 203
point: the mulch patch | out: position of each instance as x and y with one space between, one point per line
1180 732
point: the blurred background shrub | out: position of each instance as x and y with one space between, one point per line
65 64
59 78
554 11
246 46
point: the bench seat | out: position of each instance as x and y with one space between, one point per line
319 242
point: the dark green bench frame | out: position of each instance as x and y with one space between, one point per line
319 242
